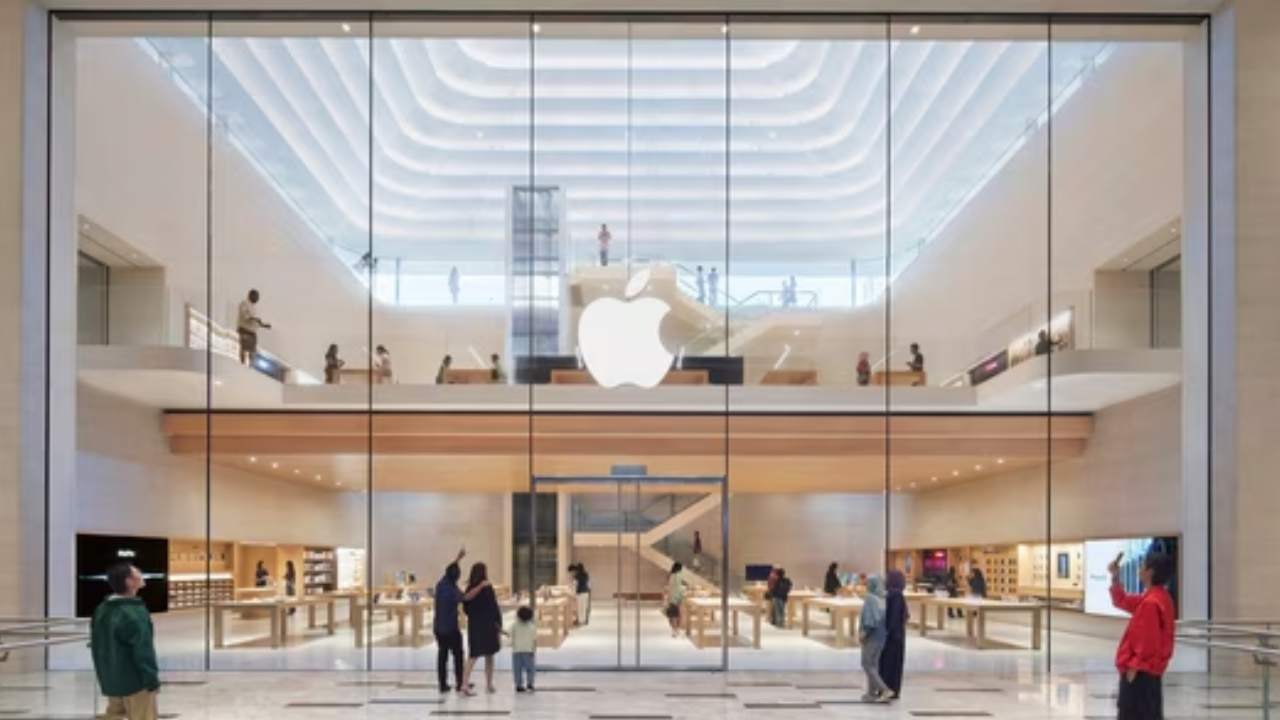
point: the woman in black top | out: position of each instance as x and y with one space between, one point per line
953 591
831 584
582 593
893 657
484 626
332 366
260 575
977 584
290 582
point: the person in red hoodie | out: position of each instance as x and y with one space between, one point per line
1147 644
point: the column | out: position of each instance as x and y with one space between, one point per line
1245 331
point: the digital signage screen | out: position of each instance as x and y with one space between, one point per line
95 554
1098 554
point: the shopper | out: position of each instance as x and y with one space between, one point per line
122 642
977 583
261 578
524 649
332 366
582 593
382 363
874 633
445 364
831 583
445 626
675 597
953 591
290 582
893 657
484 627
781 594
702 286
697 550
713 285
916 363
455 284
498 374
604 237
864 369
247 325
1147 645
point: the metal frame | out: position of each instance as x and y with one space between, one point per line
1221 634
637 482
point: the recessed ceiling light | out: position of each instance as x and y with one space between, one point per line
955 473
913 485
724 29
346 28
797 332
933 479
915 29
275 466
297 472
317 477
479 133
217 383
1000 461
253 459
977 467
536 28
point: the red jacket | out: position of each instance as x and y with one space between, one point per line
1147 644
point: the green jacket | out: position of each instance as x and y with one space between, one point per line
124 648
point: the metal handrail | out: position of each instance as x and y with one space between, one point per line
43 629
1265 654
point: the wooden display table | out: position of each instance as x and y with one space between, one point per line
790 377
255 612
277 610
558 610
975 611
415 612
795 604
470 376
845 615
755 592
899 377
673 377
699 611
360 376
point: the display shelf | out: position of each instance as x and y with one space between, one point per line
319 570
186 592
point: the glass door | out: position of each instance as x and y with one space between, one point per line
618 538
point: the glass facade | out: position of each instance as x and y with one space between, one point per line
586 297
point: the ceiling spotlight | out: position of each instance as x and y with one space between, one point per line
346 28
297 472
724 29
479 133
536 28
977 467
913 485
933 479
217 383
253 459
999 461
797 332
955 473
317 477
275 466
915 29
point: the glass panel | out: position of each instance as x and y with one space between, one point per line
289 193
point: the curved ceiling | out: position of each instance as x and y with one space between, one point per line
789 148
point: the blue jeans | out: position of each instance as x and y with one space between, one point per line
525 666
779 612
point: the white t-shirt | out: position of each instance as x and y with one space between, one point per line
524 637
248 319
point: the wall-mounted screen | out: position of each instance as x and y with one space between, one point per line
758 573
95 554
1098 554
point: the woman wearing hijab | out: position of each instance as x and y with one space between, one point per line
874 632
977 583
894 655
831 584
864 369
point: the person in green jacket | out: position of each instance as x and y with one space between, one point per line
124 651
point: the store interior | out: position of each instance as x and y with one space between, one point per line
1037 273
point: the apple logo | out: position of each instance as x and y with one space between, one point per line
620 339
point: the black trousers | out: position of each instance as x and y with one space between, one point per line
447 644
1142 699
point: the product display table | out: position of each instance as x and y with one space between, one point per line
975 612
698 612
557 610
415 612
795 604
277 610
844 617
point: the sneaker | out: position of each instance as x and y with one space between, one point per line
883 699
444 689
531 688
868 698
520 689
491 690
889 695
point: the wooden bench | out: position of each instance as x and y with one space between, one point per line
469 376
899 378
790 377
673 377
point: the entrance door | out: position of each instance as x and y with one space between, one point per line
627 532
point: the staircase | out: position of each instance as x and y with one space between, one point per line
647 532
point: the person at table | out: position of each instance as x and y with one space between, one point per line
893 657
977 583
831 583
952 585
382 363
445 364
497 374
444 623
864 369
581 593
1147 644
781 594
873 633
332 366
1043 344
484 627
916 363
675 597
290 582
261 578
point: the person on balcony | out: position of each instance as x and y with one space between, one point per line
455 284
702 287
604 237
864 369
332 366
713 285
916 363
247 325
382 363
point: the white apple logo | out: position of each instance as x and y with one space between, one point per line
620 340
